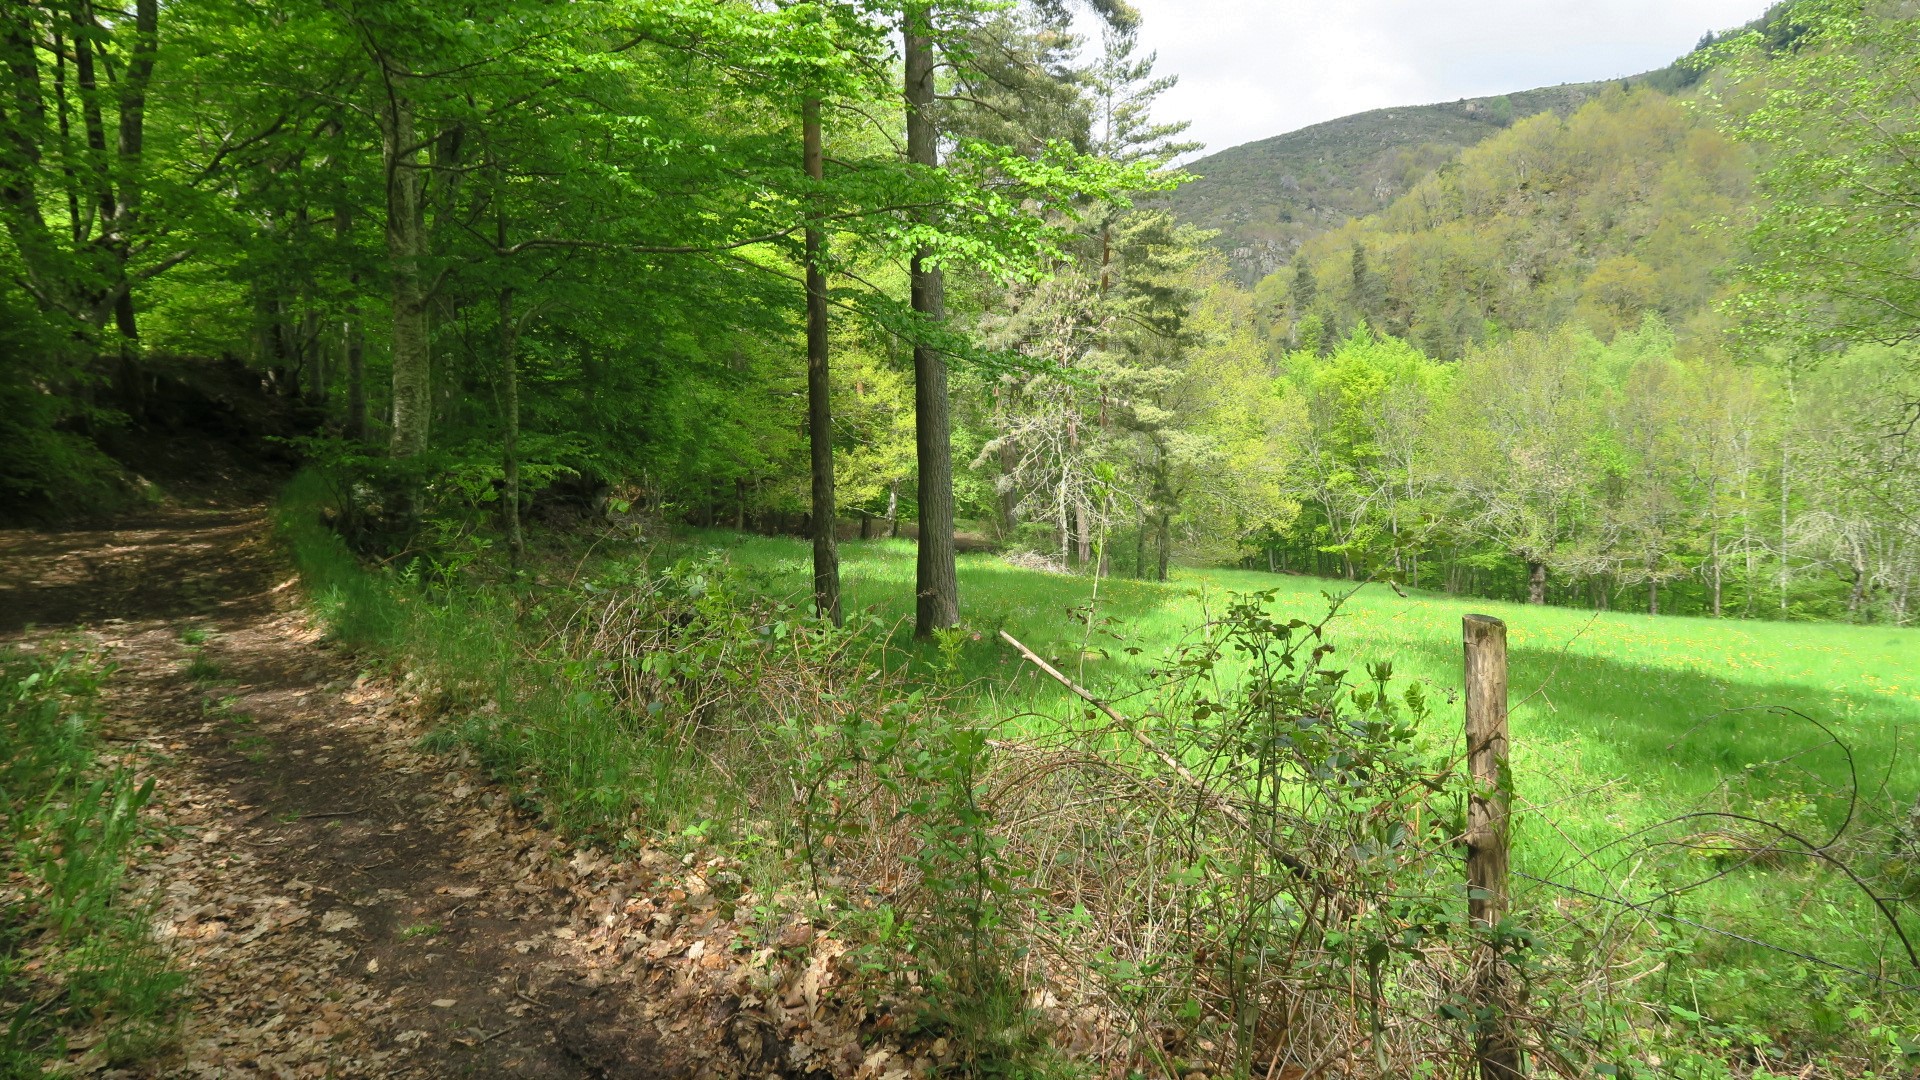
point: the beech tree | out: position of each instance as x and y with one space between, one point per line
1519 421
1839 111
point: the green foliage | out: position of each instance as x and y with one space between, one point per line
1268 197
633 706
48 467
1834 105
1620 722
1358 467
1597 218
75 953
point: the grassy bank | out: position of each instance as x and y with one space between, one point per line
82 985
681 694
1623 725
464 650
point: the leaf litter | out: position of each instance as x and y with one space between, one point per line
347 905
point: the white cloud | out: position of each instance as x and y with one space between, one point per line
1254 68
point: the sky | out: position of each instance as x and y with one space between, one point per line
1254 68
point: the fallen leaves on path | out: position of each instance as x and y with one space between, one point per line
348 905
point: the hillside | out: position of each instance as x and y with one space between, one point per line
1595 218
1266 198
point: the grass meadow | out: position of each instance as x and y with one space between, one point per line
1620 722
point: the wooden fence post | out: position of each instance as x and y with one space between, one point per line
1485 637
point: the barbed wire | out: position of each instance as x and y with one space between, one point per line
1656 913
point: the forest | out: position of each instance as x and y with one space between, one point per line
1109 386
679 406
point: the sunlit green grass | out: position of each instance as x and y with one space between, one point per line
1620 721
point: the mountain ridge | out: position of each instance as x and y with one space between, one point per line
1267 197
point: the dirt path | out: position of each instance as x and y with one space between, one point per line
350 906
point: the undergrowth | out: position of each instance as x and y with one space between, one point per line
663 703
1252 872
78 970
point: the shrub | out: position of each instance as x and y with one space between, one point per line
74 949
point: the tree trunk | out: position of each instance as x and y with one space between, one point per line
406 251
1166 543
1008 499
936 584
25 133
893 510
826 554
123 318
1785 474
352 358
510 443
86 276
356 364
1062 526
1140 546
1536 583
132 146
317 391
1083 526
1717 589
866 525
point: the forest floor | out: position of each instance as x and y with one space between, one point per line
347 905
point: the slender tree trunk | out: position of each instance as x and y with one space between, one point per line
1785 459
1166 543
510 442
936 584
893 510
132 143
107 299
1748 551
1083 525
317 391
1140 545
1717 589
1653 596
356 362
826 554
1062 526
866 525
1008 498
352 347
739 506
123 317
25 132
412 359
1082 534
1536 583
